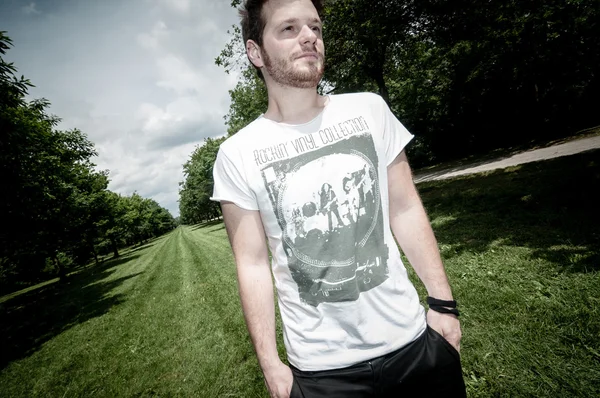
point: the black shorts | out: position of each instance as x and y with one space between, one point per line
427 367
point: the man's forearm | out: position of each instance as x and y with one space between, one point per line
414 234
256 293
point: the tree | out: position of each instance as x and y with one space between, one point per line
248 101
194 196
56 210
510 72
111 225
362 38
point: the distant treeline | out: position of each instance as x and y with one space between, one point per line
56 210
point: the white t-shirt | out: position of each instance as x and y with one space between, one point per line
321 190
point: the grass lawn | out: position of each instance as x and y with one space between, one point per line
522 249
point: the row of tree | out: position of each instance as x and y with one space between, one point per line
464 76
56 210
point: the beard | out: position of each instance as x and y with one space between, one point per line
283 72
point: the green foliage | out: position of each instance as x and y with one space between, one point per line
194 196
233 56
130 220
144 219
248 101
464 76
361 38
56 209
48 177
507 73
12 89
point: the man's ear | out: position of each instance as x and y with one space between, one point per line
254 55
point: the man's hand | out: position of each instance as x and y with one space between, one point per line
279 380
447 325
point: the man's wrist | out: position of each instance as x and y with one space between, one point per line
440 290
447 296
268 365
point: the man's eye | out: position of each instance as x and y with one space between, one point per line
316 28
288 28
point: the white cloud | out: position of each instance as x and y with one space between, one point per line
176 74
180 6
30 9
183 121
138 77
152 40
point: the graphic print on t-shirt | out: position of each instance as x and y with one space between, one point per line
328 205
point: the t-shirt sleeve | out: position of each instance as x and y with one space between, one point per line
395 135
230 183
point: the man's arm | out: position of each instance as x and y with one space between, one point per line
413 232
247 238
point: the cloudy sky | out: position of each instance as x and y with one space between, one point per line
137 76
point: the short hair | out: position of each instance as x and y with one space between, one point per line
253 23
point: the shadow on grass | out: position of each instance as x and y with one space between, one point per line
31 319
146 245
551 207
207 224
222 227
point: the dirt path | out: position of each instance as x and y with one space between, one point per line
555 151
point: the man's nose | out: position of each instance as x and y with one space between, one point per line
307 35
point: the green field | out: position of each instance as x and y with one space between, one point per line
522 249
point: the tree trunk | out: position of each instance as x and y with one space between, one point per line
383 90
95 254
114 247
62 272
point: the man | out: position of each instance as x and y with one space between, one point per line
329 205
352 201
353 325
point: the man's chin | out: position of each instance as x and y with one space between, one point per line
309 72
301 76
308 81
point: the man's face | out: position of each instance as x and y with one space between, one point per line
292 50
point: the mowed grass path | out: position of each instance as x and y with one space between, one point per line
522 250
164 320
